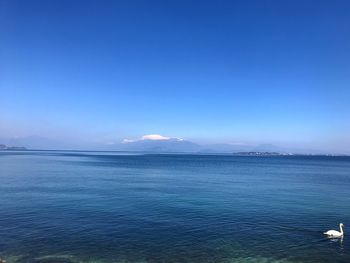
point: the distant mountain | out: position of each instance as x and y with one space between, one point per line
40 143
158 143
168 145
147 143
32 142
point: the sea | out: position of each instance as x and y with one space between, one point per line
70 206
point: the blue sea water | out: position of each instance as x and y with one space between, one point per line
58 207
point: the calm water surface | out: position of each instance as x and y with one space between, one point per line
58 207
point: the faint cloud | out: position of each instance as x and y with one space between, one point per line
239 144
155 137
127 141
110 143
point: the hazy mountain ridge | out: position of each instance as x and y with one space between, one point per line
163 145
170 145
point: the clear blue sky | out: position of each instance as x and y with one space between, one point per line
208 71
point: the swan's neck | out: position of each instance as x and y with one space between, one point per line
341 229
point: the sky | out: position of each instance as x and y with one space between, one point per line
237 72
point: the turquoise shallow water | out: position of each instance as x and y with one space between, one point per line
58 207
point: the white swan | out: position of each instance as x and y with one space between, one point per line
335 233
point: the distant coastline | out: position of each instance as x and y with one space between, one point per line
4 147
282 154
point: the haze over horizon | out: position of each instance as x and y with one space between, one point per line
88 74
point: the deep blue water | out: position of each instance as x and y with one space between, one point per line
109 207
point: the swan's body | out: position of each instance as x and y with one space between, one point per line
335 233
